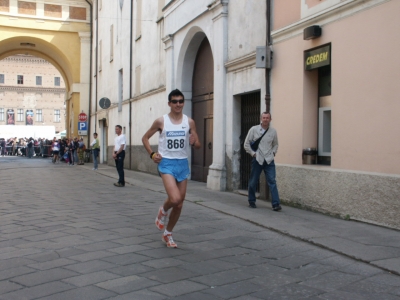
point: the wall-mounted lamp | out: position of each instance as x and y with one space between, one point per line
312 32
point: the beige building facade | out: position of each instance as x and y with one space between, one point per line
338 93
32 92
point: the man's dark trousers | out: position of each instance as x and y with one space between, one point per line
119 163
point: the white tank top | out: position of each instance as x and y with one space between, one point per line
174 139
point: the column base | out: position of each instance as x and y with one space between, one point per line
216 179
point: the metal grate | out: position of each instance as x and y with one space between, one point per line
250 116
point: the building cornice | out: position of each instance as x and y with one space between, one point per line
25 59
337 12
148 94
241 63
9 88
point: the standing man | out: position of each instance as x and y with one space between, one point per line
263 159
95 150
119 155
177 134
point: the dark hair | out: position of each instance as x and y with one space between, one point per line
175 93
119 126
95 133
266 113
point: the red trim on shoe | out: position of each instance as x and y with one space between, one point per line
167 239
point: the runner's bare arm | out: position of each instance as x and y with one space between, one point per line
193 138
158 125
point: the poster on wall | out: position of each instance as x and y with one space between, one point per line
10 117
29 117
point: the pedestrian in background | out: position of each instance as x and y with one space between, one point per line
55 146
81 151
71 156
119 155
76 146
263 159
30 147
95 150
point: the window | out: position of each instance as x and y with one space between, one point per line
57 116
111 43
1 114
1 78
38 80
39 115
20 79
20 115
56 81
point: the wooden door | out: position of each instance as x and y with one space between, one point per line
203 110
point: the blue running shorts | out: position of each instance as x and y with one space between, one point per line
179 168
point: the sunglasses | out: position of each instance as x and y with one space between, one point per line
176 101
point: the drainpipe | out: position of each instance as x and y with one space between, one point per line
130 86
96 64
268 71
90 66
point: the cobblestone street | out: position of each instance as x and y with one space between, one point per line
68 233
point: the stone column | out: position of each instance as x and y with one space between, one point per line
216 179
84 85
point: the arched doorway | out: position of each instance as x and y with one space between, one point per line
203 110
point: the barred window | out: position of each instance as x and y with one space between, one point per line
20 79
56 81
57 116
38 80
20 115
1 78
39 116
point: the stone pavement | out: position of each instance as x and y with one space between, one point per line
68 233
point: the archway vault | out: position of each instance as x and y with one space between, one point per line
63 50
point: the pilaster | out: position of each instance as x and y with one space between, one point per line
216 179
168 41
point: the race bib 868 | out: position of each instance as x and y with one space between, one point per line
175 140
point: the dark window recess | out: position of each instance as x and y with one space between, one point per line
324 81
20 79
250 116
1 78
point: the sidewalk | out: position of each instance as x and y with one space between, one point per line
372 244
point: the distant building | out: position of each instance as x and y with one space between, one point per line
32 92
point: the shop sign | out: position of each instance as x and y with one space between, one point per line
317 58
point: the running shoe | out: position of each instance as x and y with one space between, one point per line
160 219
167 239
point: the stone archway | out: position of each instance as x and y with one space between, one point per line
65 46
194 59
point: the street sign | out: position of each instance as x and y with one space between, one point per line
82 128
82 117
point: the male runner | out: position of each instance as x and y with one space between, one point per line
177 134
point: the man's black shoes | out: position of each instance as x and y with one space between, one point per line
252 205
119 184
277 208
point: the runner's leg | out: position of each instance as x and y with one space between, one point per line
176 192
